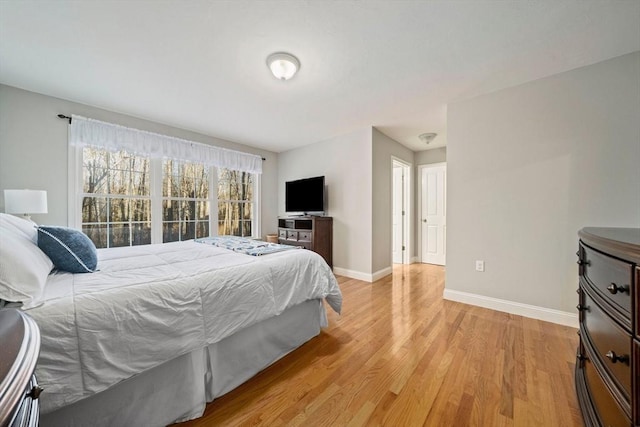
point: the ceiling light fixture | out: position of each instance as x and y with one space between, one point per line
283 65
427 137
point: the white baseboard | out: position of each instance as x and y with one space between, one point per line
526 310
352 274
366 277
381 273
414 260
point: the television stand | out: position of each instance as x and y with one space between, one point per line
311 232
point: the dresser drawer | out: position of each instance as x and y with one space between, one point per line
292 235
610 278
19 348
304 236
282 234
610 343
607 409
306 245
28 412
636 291
636 360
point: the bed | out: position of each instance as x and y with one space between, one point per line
160 330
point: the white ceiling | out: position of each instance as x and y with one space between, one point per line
200 65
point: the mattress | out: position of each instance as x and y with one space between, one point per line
150 304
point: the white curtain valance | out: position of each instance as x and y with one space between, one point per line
90 132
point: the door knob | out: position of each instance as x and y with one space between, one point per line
424 220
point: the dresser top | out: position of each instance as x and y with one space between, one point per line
621 242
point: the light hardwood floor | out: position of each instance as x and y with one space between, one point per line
400 355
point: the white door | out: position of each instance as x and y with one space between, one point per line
397 214
433 222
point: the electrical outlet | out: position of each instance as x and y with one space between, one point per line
479 265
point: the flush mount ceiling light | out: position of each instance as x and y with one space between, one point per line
283 65
427 137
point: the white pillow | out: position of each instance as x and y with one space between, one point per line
23 268
17 224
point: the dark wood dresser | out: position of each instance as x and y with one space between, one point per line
311 232
19 349
608 362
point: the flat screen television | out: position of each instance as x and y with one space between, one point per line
305 195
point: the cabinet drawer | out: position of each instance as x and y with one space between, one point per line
611 344
608 410
28 412
610 278
292 235
304 236
636 360
306 245
636 291
282 234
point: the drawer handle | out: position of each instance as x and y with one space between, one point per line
614 289
35 392
615 358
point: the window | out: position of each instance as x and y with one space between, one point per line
128 199
235 207
131 187
116 200
185 200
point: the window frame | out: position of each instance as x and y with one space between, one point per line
109 197
75 196
238 201
211 199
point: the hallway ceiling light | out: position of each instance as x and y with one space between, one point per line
427 137
283 65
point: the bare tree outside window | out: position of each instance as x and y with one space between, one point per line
116 199
235 202
116 204
185 200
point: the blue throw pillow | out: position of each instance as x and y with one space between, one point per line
70 250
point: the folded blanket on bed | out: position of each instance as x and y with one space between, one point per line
244 245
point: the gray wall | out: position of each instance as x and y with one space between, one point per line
33 149
531 165
426 157
383 150
345 161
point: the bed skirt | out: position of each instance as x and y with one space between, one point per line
179 389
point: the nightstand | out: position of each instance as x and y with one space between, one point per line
19 391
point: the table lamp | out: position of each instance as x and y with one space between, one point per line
25 202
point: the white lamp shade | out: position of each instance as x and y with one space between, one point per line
25 201
283 65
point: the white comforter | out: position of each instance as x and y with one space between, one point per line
149 304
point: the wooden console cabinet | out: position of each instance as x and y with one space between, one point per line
311 232
608 365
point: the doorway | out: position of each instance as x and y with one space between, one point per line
433 213
401 201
